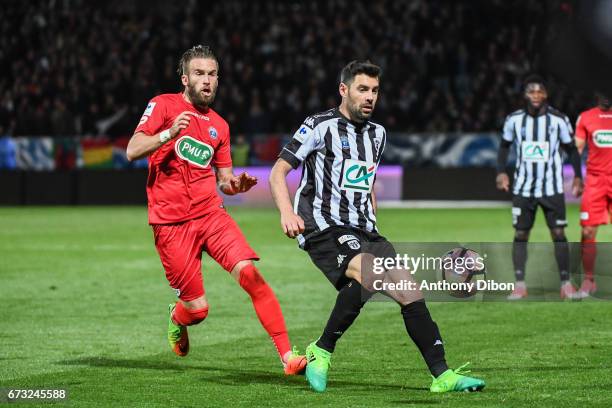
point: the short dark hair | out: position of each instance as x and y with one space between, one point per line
356 67
197 51
534 79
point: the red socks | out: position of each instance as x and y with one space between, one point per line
589 253
267 307
188 317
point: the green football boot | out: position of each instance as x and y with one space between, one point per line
319 361
455 380
177 335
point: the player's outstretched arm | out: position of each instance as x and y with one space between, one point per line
142 145
230 184
292 224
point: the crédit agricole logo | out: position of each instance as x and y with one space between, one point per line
358 175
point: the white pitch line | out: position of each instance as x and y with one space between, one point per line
444 204
74 247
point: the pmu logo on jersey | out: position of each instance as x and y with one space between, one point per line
535 151
195 152
603 138
358 175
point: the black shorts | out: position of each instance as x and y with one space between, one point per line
524 211
332 250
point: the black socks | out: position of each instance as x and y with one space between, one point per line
519 258
420 327
349 302
425 334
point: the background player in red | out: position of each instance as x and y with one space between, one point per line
186 139
594 129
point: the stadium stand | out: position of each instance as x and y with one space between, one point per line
76 67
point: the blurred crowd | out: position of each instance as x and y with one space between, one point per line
89 68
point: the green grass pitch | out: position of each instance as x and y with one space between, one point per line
84 304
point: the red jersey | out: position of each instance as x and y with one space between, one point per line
182 184
595 125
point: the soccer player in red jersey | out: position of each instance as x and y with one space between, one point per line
594 129
188 145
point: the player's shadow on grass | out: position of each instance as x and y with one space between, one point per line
220 375
541 368
104 362
238 377
229 375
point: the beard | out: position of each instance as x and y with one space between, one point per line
199 100
357 114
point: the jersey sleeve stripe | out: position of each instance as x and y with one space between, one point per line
290 158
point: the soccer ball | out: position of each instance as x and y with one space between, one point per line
460 266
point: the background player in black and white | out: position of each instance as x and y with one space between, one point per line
539 131
334 216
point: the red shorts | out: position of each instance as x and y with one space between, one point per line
180 249
596 206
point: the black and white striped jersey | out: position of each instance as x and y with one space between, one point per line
340 159
539 170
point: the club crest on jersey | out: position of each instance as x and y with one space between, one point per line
194 151
212 132
354 244
350 240
358 175
603 138
535 151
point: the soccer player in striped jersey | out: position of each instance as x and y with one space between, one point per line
334 217
539 131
